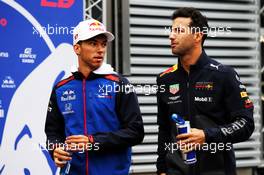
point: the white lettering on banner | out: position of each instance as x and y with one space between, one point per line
27 110
27 56
4 54
2 114
8 82
234 127
23 128
203 99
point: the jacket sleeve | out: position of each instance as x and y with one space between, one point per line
163 132
131 131
240 122
54 126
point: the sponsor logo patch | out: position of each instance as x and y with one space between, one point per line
174 88
104 96
68 109
204 86
96 26
243 94
215 66
175 98
203 99
68 95
241 86
248 103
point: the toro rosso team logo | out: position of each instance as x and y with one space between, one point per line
68 95
96 26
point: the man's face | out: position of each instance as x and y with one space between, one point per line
182 39
91 52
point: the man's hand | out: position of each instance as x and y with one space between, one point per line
77 143
61 157
188 141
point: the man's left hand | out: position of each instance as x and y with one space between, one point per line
188 141
77 143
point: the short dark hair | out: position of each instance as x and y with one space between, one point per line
198 20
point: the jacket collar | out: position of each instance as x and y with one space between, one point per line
201 62
104 69
79 76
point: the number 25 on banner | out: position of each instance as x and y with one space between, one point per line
58 4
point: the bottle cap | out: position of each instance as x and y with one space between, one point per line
177 119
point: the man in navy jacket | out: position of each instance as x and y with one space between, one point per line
206 93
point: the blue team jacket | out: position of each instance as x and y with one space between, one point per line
96 107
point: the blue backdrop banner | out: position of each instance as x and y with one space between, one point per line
35 52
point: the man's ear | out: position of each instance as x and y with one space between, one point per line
77 49
198 37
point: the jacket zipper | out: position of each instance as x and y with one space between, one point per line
192 169
84 119
188 97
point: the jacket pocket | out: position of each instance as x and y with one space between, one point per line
175 164
211 163
210 159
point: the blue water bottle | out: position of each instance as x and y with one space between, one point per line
184 127
66 169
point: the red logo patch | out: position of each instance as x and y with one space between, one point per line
248 103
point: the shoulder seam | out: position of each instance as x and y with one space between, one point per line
112 77
63 82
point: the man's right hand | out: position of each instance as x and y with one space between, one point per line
61 157
162 174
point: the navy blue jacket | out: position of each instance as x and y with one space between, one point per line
98 108
212 98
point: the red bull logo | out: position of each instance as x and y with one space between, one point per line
96 26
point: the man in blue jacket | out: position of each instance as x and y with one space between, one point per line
93 116
206 93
